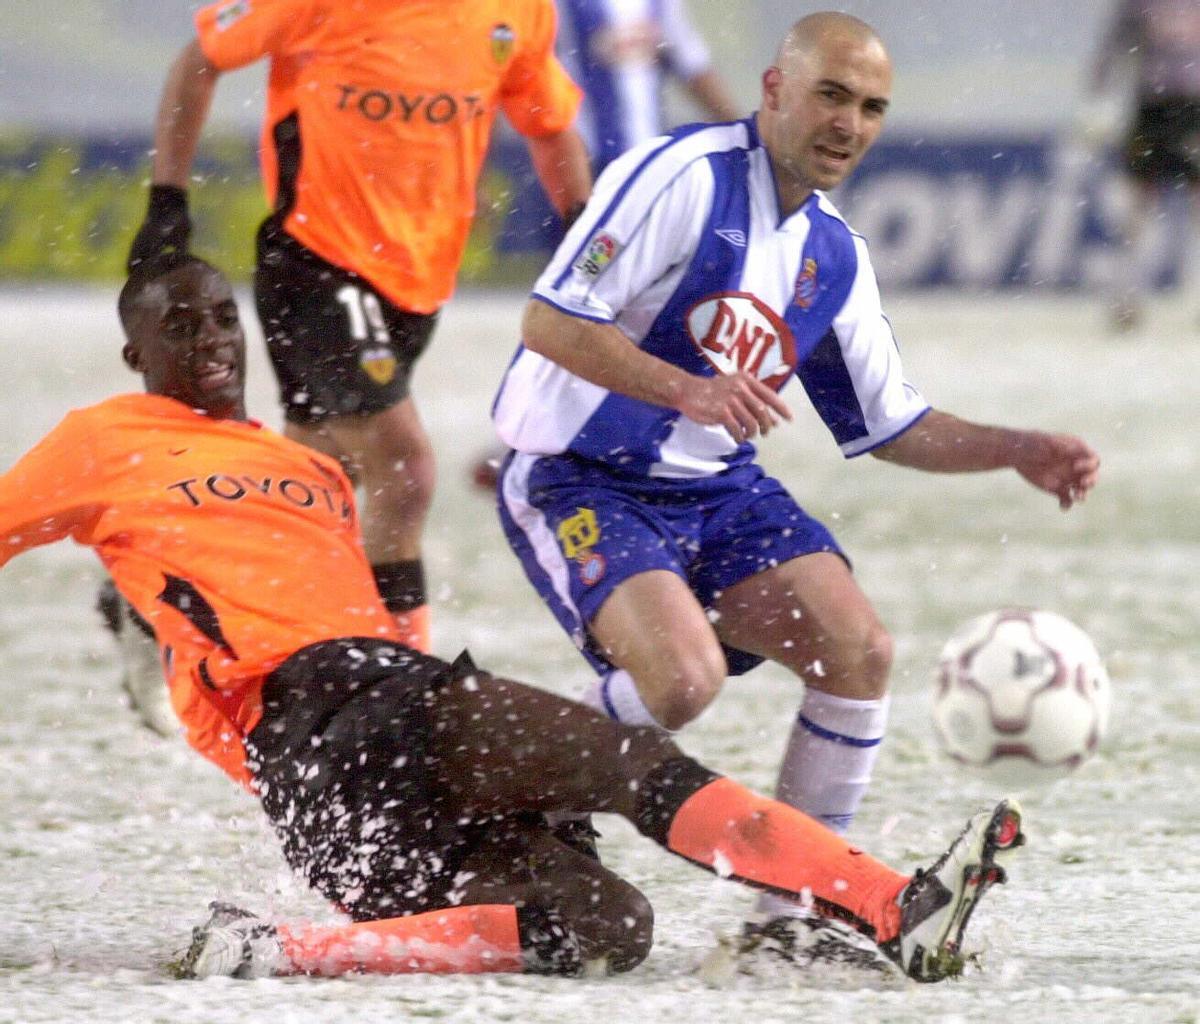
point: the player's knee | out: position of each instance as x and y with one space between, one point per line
401 481
621 933
634 927
859 667
694 683
877 653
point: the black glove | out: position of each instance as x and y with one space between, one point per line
571 216
166 228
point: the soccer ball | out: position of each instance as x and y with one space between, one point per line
1021 695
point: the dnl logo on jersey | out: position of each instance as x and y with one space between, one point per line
738 331
597 255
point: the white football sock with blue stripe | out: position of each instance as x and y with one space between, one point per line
616 696
828 763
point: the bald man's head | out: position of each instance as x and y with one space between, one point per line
810 33
823 102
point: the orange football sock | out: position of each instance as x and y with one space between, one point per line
742 835
414 627
459 940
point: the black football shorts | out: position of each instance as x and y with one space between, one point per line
338 346
340 761
1163 146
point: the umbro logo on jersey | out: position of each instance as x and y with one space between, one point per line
734 236
738 331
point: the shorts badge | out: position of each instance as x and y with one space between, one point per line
503 40
379 364
591 568
578 535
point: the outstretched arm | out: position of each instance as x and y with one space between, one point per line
560 161
182 111
709 92
1060 464
601 354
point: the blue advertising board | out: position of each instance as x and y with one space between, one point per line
976 212
981 212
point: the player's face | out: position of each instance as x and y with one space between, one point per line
825 110
189 343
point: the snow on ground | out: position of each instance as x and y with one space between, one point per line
113 842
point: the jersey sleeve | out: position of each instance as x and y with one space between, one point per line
538 96
854 377
645 217
233 33
685 51
48 495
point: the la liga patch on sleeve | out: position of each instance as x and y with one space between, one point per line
600 251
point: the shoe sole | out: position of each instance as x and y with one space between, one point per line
996 842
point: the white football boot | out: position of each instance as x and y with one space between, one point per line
937 903
232 943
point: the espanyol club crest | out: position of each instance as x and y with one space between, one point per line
806 284
503 39
738 331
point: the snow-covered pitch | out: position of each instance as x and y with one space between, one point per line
112 841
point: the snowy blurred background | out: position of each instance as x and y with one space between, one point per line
980 180
963 65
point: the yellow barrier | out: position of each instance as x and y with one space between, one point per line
69 208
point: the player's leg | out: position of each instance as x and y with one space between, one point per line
142 676
668 665
529 905
343 355
350 775
496 743
609 562
809 615
779 588
391 457
1148 159
378 801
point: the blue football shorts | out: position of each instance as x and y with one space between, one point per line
580 529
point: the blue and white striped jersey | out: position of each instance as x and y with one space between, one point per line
683 248
619 51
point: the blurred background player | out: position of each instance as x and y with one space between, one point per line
706 270
1157 44
623 53
377 121
407 790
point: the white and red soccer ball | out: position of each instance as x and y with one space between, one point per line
1022 695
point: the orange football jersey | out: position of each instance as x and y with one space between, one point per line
393 104
236 544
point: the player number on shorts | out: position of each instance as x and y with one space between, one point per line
363 312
